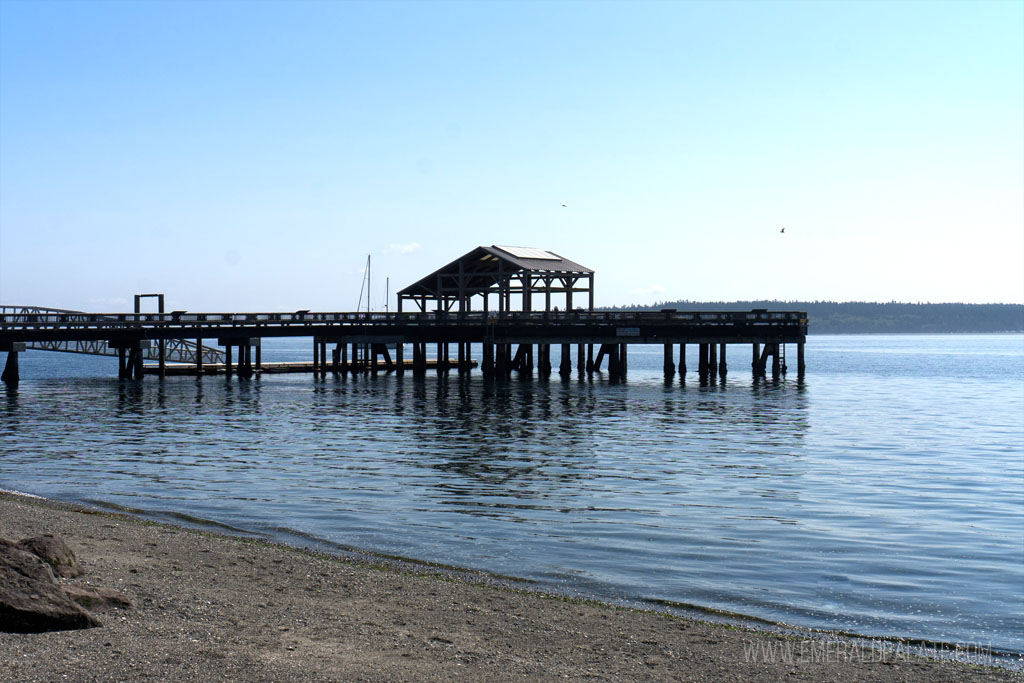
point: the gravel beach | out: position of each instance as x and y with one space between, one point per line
210 607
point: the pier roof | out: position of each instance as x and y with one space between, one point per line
484 267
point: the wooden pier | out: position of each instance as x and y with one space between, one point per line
580 341
445 326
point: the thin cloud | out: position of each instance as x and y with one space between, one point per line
402 248
653 289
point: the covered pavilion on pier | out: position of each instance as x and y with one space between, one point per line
511 274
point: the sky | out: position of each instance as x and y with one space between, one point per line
250 155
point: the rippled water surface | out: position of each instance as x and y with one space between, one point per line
883 495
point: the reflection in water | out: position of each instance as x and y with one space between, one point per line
788 500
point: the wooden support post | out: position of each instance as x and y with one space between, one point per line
10 374
712 359
123 372
440 358
723 368
800 367
702 362
776 366
519 360
488 360
259 354
682 359
565 366
595 366
501 360
400 358
755 363
323 356
669 365
227 359
244 359
624 359
162 344
763 361
344 357
316 355
382 351
545 359
138 372
581 359
590 358
199 357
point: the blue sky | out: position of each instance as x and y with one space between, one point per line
244 156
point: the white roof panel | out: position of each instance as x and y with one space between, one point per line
530 252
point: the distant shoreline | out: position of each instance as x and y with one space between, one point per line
857 317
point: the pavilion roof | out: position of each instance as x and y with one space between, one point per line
482 266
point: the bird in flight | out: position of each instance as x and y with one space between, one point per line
564 206
783 230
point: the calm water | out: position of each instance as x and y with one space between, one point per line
884 495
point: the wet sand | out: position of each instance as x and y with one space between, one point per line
211 607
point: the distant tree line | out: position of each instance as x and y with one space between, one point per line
858 317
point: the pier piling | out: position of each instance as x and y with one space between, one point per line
11 373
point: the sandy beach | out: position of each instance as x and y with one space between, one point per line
211 607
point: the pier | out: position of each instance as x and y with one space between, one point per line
504 330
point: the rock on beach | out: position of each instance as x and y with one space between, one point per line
31 600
